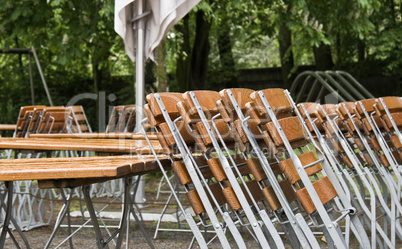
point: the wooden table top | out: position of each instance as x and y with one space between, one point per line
118 146
98 135
7 127
78 167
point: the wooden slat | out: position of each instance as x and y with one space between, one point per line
7 127
241 95
306 158
276 98
325 191
98 145
393 103
292 128
206 99
99 135
169 100
77 167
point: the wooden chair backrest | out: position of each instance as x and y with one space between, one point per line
130 113
37 115
169 100
393 103
293 129
24 115
55 119
126 119
368 105
79 122
114 118
329 109
241 95
206 99
277 99
311 110
342 114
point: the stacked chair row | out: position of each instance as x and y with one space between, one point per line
362 142
254 161
51 119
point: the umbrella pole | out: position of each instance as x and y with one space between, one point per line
139 85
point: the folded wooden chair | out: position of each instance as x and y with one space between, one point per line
126 122
315 185
262 154
205 198
78 122
241 97
200 112
355 171
54 120
37 115
23 120
114 118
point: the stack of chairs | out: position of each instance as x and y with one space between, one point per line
251 162
350 135
122 119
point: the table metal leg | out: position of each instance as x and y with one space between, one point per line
63 212
126 213
8 218
99 237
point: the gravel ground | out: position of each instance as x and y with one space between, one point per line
85 238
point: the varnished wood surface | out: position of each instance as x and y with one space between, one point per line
120 146
7 127
98 135
77 167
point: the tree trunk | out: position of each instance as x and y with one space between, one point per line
160 69
361 51
323 57
199 55
286 54
97 82
183 60
228 71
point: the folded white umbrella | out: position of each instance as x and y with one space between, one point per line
159 17
163 15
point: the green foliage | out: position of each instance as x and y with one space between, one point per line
75 40
70 37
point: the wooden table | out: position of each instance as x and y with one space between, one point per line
115 146
73 172
98 135
78 171
7 127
